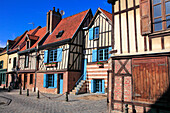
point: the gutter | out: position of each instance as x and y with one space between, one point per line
28 50
55 43
12 52
141 55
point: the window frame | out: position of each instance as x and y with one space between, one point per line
53 57
26 63
52 81
103 54
162 17
14 62
94 32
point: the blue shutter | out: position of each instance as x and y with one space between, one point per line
59 54
45 56
94 56
92 86
110 48
55 80
103 88
91 34
45 80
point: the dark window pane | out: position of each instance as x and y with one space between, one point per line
157 10
167 6
158 24
168 21
156 1
50 80
96 32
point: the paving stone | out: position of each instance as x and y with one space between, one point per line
24 104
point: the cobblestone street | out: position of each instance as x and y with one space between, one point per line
12 102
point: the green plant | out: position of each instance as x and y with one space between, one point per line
99 63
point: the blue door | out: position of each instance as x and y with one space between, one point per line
61 83
85 69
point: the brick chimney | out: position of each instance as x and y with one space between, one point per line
53 18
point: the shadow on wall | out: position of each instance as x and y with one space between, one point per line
163 102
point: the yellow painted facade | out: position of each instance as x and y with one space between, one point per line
4 57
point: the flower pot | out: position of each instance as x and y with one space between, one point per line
100 65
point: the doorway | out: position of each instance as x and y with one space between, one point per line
25 81
60 83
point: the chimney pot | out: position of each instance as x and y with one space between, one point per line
57 10
53 8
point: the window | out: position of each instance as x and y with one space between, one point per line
161 14
26 61
2 77
60 33
93 33
96 32
14 62
53 56
10 61
50 80
103 54
31 78
28 44
1 64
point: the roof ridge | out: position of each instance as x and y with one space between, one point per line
104 10
75 14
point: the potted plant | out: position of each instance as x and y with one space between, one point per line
47 64
53 64
100 64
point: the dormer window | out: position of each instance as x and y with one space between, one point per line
60 33
28 44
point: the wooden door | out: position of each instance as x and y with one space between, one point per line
150 78
25 81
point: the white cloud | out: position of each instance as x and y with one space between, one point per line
2 44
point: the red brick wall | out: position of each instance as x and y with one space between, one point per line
27 84
69 80
94 72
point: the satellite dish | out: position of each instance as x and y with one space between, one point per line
62 12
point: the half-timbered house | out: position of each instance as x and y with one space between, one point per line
13 58
4 62
97 44
61 53
27 56
140 56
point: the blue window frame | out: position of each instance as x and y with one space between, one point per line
50 80
103 54
53 56
96 32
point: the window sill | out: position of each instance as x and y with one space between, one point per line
160 33
96 39
51 87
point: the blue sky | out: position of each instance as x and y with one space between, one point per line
16 14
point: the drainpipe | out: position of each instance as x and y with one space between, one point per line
112 2
35 70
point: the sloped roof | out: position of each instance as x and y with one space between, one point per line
69 25
20 40
106 13
37 36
